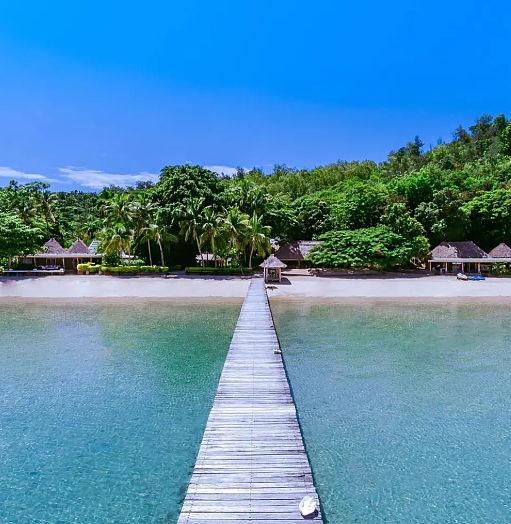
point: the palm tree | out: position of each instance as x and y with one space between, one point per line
119 209
248 196
191 221
144 214
45 204
91 227
147 233
116 239
257 237
235 224
160 234
211 227
24 204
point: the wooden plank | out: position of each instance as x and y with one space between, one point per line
252 464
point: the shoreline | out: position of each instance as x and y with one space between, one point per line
293 287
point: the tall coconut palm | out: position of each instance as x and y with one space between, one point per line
45 205
116 239
159 235
212 231
24 204
248 196
144 220
257 237
191 221
235 224
118 210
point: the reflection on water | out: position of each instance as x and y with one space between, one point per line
102 407
405 408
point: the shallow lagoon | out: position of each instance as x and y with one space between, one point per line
405 407
103 406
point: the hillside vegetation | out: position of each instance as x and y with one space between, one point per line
376 215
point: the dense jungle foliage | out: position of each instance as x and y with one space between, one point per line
374 215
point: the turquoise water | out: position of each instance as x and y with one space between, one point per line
103 406
405 409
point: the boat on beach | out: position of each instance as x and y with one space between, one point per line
461 276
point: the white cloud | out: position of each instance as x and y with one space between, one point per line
226 170
13 174
99 179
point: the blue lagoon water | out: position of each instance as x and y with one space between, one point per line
103 406
405 408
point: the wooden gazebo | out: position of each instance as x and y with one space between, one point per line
272 268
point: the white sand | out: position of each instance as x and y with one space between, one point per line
100 286
293 286
390 287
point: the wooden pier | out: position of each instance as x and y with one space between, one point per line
252 464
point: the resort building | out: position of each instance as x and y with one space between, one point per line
272 269
296 251
467 257
54 256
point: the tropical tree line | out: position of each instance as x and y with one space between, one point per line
419 196
226 235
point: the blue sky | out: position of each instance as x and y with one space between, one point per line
94 92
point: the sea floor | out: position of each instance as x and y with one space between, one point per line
103 407
404 407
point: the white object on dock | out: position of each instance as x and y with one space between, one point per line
308 506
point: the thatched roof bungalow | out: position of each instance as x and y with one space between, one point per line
501 251
457 250
272 268
460 256
296 250
54 256
79 248
53 247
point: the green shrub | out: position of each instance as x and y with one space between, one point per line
153 269
218 270
119 269
111 260
137 262
500 269
90 266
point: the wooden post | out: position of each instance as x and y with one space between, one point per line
479 267
463 267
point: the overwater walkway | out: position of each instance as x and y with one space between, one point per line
252 464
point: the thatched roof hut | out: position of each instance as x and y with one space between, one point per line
458 250
53 247
273 262
272 268
501 251
55 256
296 250
79 248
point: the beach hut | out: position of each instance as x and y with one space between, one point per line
466 257
296 251
54 256
272 268
501 251
457 256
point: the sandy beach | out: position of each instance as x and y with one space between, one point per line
292 286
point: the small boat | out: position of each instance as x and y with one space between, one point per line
478 277
308 507
461 276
